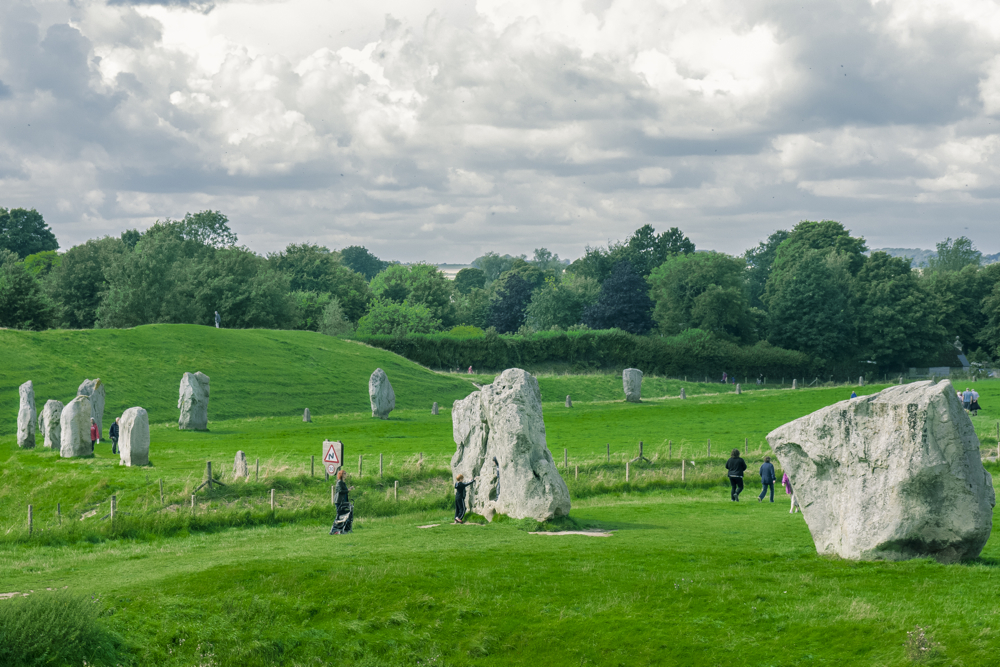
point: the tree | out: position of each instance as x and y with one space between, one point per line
78 282
760 261
313 268
547 262
393 283
493 265
24 232
954 256
644 250
309 309
358 258
560 303
623 303
469 279
473 309
23 304
386 317
825 235
130 237
41 264
333 322
242 287
417 284
702 291
210 228
510 300
957 297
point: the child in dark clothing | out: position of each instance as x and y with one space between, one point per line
460 487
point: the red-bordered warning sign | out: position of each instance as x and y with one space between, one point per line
333 455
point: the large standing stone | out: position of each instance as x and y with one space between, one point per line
74 422
94 389
193 402
26 416
503 420
48 422
683 394
240 467
892 476
380 392
632 382
133 437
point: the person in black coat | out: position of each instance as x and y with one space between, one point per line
767 478
735 467
460 487
113 432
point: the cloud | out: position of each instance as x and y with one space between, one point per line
439 131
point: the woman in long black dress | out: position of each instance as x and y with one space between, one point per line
460 487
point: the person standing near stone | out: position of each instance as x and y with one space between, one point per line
966 398
786 480
218 319
854 394
95 433
113 434
767 478
460 487
974 404
341 500
735 467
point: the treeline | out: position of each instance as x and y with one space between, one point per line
813 290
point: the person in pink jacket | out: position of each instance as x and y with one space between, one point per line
95 434
787 481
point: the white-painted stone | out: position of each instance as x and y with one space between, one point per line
48 422
133 437
74 424
193 402
795 384
380 392
504 421
26 416
240 467
738 390
892 476
632 383
94 389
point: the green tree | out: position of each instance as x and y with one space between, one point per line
358 258
309 309
623 303
78 282
955 255
473 309
41 264
702 291
644 250
989 335
393 283
469 279
23 304
511 296
24 232
209 228
958 299
825 235
417 284
561 303
333 321
386 317
494 265
243 288
760 261
313 268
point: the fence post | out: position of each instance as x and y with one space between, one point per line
312 465
333 492
256 470
192 503
565 458
208 470
709 448
577 475
114 506
361 458
670 449
161 490
272 500
395 491
380 466
626 471
59 512
683 463
420 463
30 520
609 452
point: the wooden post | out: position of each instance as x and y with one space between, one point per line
626 471
30 520
59 512
161 490
272 500
361 458
333 492
114 506
421 461
380 466
565 458
312 465
395 490
256 470
709 448
192 503
577 474
640 450
683 463
209 469
670 449
609 452
746 444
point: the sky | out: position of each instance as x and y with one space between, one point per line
438 131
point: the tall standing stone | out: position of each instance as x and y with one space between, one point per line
26 416
306 417
890 476
434 408
240 466
380 392
133 437
861 380
94 389
503 421
569 401
48 422
683 394
738 390
795 384
74 424
193 402
632 383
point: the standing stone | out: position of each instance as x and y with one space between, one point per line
240 467
26 416
504 421
193 402
133 437
890 476
738 390
434 408
795 384
683 394
74 424
569 401
95 390
380 392
48 422
632 382
306 417
861 380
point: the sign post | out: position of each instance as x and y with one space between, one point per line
333 456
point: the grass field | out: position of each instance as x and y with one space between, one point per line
686 578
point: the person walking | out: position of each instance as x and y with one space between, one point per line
460 487
787 481
974 404
966 398
218 319
113 432
767 478
341 500
735 467
95 434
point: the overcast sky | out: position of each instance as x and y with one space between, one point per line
437 131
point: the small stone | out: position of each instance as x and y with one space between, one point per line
94 389
380 392
795 384
569 401
861 380
683 394
193 402
49 422
74 425
133 437
434 408
632 383
738 390
306 417
240 466
26 417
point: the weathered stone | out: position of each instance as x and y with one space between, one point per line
434 408
306 417
632 382
795 384
892 476
683 394
503 421
48 422
26 416
74 424
94 389
240 466
193 402
569 401
133 437
380 392
738 390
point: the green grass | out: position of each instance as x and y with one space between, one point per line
686 578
